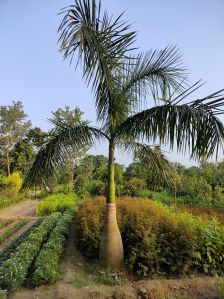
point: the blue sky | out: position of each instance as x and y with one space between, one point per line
32 70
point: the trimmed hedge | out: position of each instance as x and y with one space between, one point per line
47 263
13 271
157 240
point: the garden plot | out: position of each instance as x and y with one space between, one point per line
33 259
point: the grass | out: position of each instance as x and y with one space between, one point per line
174 296
220 285
91 275
11 230
5 222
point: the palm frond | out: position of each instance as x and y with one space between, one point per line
156 72
152 156
193 126
60 144
101 43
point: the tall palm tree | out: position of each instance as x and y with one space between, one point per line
121 83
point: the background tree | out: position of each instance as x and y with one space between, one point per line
121 83
13 128
37 138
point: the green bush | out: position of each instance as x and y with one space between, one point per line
8 198
157 240
194 188
145 193
135 185
59 202
13 271
47 263
96 187
12 183
164 197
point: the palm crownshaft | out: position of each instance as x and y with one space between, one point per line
121 83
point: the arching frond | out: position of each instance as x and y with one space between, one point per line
60 144
152 156
156 72
101 43
194 126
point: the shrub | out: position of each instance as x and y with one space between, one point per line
96 187
145 193
195 188
135 185
164 197
13 182
157 240
56 203
8 198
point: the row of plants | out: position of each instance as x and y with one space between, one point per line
46 267
13 271
158 241
11 247
5 222
59 202
12 229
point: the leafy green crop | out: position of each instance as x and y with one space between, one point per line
47 263
13 271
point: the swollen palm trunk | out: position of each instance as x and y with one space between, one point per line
111 247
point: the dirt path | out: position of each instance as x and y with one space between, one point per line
21 209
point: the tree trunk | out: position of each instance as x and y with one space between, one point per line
111 247
8 163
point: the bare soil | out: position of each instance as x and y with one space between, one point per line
21 209
81 279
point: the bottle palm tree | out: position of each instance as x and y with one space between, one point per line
121 83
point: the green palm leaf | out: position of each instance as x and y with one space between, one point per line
152 156
156 72
101 42
58 148
194 126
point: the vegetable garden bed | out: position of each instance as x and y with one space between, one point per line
36 254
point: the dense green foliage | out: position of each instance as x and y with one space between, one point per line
157 240
9 187
59 202
13 128
46 267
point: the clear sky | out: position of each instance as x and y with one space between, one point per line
32 70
